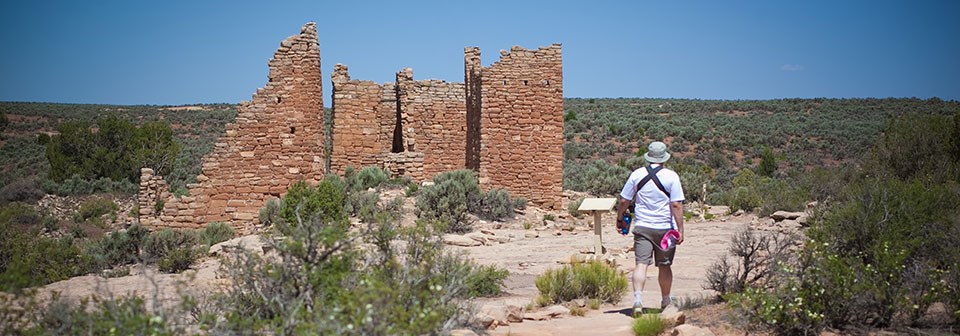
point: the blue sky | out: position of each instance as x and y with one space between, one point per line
181 52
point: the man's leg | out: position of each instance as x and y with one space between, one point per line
666 281
643 251
639 280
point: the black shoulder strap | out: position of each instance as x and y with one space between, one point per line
652 175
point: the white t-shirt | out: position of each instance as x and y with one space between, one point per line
651 206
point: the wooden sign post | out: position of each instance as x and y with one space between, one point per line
597 206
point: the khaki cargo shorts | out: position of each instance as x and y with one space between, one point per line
646 246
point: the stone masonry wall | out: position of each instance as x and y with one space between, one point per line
362 131
521 124
505 121
276 140
433 117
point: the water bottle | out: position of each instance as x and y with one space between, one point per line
626 219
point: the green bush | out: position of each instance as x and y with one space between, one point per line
882 252
751 191
37 261
412 189
325 283
597 177
116 151
22 190
495 205
581 280
161 243
768 162
572 208
520 203
95 208
270 212
456 194
3 123
368 177
117 248
177 260
216 232
118 316
485 281
755 255
77 185
918 147
648 325
28 259
362 203
326 200
449 200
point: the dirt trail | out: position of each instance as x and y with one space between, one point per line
527 254
527 258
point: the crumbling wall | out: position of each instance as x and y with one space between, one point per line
363 120
276 140
473 85
521 123
505 121
433 117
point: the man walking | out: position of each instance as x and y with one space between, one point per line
657 197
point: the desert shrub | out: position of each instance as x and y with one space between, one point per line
597 177
573 206
98 316
881 253
22 159
823 183
485 280
20 216
161 243
919 146
450 200
27 260
457 193
751 192
520 203
768 162
22 190
648 325
756 255
323 282
95 208
177 260
412 189
117 248
77 185
495 205
368 177
362 203
326 200
117 150
270 212
581 280
216 232
693 177
744 195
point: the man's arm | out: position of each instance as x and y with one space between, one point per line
676 208
622 209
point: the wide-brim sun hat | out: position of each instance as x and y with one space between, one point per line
656 153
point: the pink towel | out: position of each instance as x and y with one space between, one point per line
669 239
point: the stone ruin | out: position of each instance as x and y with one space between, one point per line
505 122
